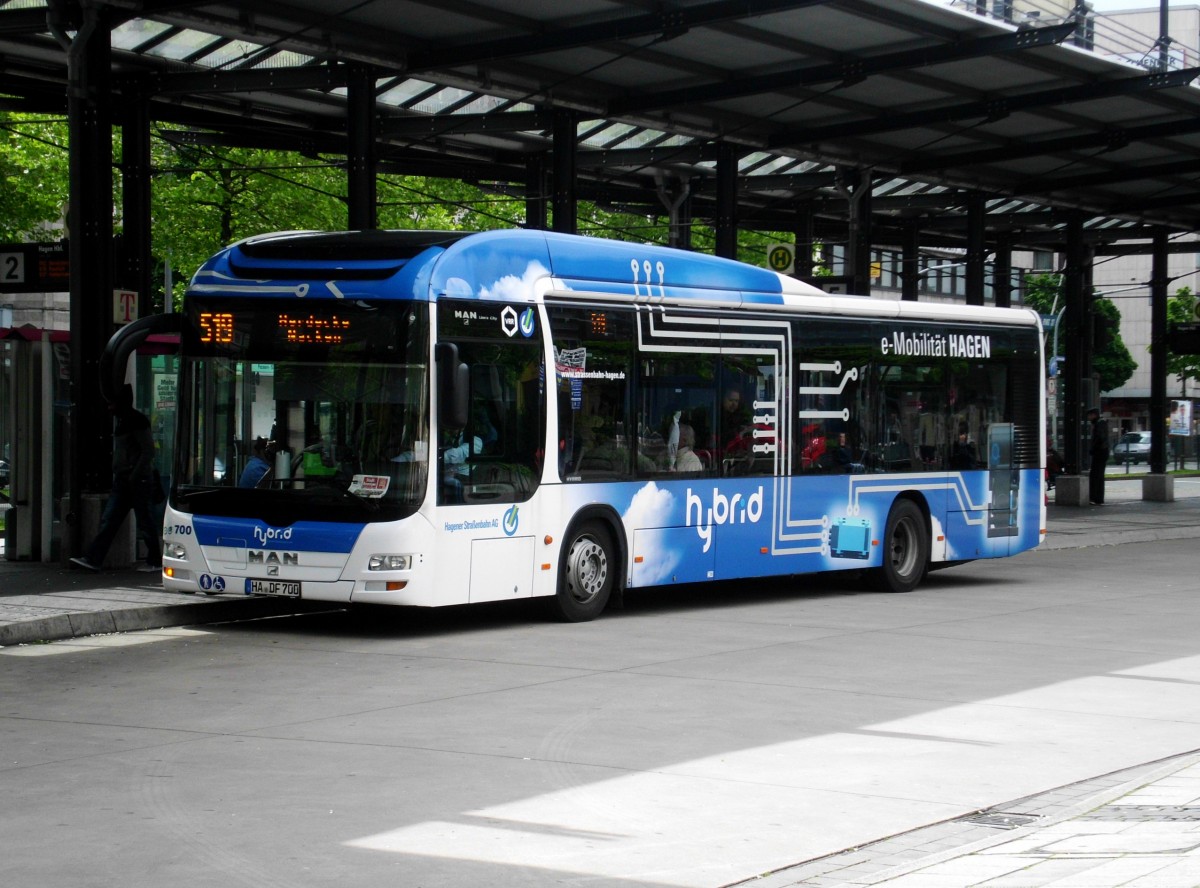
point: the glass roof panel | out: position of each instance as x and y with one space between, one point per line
751 160
136 32
183 44
640 138
286 59
482 105
442 100
774 165
608 134
228 54
403 93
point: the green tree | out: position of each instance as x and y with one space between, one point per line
1043 292
206 196
34 170
1112 361
1181 309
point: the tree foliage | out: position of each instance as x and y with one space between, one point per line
34 170
1181 309
204 197
1112 361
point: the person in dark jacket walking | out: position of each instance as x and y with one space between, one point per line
1098 449
133 479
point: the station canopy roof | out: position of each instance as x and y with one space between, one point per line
1057 110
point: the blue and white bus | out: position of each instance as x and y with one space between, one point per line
434 418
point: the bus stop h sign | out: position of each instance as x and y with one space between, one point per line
781 258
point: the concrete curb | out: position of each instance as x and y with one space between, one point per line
80 624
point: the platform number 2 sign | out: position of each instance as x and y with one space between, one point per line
12 268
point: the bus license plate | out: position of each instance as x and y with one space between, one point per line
273 587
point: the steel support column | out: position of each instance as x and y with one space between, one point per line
910 263
976 248
133 272
361 128
1002 273
90 226
806 232
675 196
727 200
1077 378
536 202
683 224
1159 282
856 186
565 204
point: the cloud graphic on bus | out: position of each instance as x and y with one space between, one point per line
653 507
511 288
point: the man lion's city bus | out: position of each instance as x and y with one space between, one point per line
433 418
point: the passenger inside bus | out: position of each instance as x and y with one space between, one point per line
455 453
686 459
262 460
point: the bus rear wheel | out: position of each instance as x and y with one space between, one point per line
588 573
906 548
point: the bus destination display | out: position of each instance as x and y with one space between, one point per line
217 328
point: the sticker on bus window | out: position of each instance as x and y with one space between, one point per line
370 486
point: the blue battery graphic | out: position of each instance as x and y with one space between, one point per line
850 538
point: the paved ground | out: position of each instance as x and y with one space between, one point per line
1139 827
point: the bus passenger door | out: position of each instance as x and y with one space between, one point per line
1003 487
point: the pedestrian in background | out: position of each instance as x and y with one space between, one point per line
132 488
1098 449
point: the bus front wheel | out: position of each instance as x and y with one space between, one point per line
906 548
588 573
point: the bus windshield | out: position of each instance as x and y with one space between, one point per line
315 410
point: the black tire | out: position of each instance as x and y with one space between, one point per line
587 574
905 548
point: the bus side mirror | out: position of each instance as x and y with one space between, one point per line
454 384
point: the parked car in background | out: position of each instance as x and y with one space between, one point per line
1134 447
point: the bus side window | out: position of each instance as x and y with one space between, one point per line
593 348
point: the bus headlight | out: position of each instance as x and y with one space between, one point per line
390 562
175 550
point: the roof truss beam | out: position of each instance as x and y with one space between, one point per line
22 21
987 109
1115 176
847 71
647 157
667 21
319 77
432 125
1111 139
